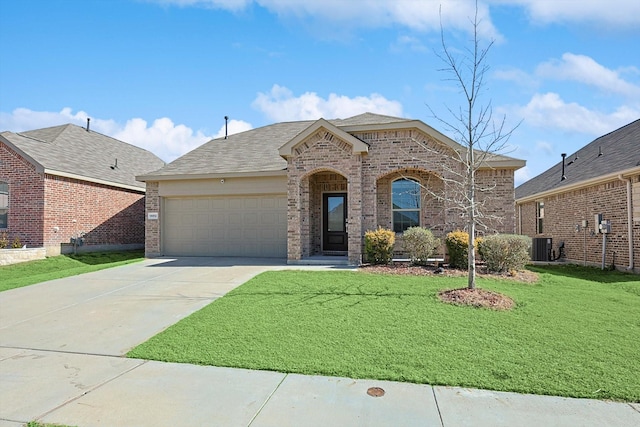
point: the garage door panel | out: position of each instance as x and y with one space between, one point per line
226 226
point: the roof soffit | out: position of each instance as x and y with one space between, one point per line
358 146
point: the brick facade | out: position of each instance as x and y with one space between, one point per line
26 202
564 213
152 227
43 207
323 162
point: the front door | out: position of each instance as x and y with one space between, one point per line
334 222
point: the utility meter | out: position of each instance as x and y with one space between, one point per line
605 226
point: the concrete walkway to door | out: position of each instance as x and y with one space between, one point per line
61 361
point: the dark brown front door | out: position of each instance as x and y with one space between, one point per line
334 222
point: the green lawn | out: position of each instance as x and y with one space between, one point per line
29 273
575 333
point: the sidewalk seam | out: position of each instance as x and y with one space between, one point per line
97 386
435 399
267 400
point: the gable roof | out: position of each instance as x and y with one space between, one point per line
72 151
258 151
605 157
357 145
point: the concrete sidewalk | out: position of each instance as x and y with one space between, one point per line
62 342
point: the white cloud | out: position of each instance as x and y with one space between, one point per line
545 147
610 13
585 70
550 111
516 76
162 137
232 5
281 105
234 126
413 44
522 175
417 15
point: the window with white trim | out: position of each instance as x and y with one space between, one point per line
405 204
4 204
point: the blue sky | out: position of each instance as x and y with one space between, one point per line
162 74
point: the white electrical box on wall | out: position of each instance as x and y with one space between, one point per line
152 215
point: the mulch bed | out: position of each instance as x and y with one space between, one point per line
470 297
477 298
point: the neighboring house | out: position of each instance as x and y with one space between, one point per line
66 181
602 178
307 188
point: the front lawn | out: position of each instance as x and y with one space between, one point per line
31 272
572 334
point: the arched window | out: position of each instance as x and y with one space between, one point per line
405 202
4 204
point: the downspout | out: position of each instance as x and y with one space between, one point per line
629 220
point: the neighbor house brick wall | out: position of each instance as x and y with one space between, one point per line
26 198
105 215
564 213
42 208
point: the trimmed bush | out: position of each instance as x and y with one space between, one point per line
378 245
420 244
457 244
505 252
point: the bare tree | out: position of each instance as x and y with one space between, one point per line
473 126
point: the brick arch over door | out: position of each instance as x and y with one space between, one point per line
322 155
321 181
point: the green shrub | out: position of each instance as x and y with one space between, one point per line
457 243
505 252
420 244
378 245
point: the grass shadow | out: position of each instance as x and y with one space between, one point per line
98 258
592 274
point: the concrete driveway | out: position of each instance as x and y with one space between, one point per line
62 342
110 311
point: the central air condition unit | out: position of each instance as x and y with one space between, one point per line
541 249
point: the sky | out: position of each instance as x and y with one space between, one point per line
163 74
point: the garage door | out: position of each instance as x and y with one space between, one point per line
252 226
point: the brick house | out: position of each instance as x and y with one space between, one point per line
63 181
308 188
561 204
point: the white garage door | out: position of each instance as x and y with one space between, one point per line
251 226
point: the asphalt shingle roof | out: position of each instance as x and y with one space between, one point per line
74 150
620 151
255 150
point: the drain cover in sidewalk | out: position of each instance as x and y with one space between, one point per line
375 392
